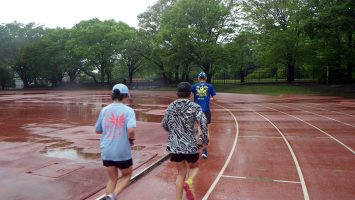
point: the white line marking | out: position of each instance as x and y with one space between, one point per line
328 110
259 136
253 178
299 171
236 177
332 137
208 193
316 114
283 181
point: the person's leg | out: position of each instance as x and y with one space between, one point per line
123 181
193 170
204 150
112 179
182 172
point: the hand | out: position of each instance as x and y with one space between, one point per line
131 141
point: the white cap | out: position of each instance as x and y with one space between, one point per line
122 88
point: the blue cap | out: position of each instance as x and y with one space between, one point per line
202 75
122 88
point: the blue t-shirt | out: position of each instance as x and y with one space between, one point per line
202 94
114 122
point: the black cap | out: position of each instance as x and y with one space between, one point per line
184 87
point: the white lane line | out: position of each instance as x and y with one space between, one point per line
259 136
283 181
299 171
236 177
208 193
332 137
262 179
341 113
317 115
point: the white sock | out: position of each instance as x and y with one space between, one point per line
111 196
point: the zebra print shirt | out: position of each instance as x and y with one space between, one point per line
180 119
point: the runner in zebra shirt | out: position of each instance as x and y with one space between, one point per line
179 120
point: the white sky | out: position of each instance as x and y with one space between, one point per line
66 13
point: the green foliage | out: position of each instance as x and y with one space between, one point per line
193 32
247 39
6 78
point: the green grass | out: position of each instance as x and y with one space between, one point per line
281 89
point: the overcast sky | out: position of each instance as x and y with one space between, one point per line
66 13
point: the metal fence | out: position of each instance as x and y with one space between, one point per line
259 77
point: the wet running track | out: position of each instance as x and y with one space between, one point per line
262 147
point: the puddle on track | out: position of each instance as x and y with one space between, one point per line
71 153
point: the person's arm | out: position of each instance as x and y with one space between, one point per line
164 122
202 121
131 135
98 126
213 98
213 93
131 127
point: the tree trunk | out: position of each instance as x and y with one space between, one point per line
242 76
176 70
72 75
350 66
130 74
92 76
108 75
290 68
207 69
290 72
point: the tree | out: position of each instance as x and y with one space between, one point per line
278 25
330 26
130 54
197 29
20 36
97 43
240 54
6 77
150 24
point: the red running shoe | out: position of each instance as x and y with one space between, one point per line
187 187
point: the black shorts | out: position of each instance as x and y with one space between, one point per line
119 164
190 158
208 116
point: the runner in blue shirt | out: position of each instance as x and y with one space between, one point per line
116 124
203 92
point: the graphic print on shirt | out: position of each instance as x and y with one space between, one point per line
201 91
113 124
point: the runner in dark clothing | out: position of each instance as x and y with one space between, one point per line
203 92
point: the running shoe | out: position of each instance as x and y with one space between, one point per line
110 197
204 153
187 187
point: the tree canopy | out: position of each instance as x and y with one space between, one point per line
178 38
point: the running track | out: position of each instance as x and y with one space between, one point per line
290 147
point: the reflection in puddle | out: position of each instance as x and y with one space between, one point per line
137 148
71 153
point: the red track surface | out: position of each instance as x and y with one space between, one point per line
262 147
